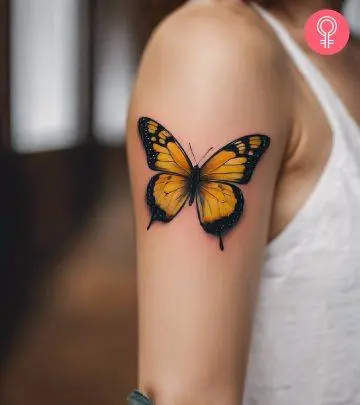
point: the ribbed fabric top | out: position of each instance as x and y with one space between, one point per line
306 336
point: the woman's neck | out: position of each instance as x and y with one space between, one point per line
298 11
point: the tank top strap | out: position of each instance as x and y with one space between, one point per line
331 104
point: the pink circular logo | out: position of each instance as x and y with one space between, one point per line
327 32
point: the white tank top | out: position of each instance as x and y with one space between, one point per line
306 335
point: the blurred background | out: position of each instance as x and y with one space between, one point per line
67 253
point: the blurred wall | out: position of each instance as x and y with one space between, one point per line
4 75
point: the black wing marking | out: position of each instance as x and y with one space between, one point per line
163 151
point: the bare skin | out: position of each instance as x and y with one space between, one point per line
212 72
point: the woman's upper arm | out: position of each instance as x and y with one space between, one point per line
203 79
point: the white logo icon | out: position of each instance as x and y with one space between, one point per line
327 27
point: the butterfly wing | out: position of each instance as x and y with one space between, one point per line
163 151
168 191
166 195
220 203
236 161
219 207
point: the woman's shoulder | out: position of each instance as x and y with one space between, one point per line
220 29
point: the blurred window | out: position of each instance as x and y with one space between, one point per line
352 12
115 65
45 74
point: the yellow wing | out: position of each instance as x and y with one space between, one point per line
163 151
219 207
166 195
220 203
236 161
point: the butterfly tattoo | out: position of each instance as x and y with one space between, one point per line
213 185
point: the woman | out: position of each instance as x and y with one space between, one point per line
274 318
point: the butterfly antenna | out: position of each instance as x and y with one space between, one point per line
206 154
192 153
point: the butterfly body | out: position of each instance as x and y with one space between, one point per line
213 186
194 182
